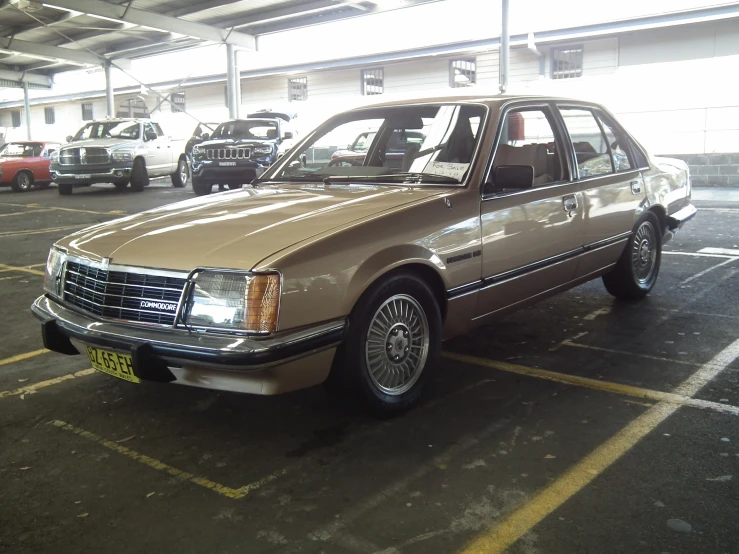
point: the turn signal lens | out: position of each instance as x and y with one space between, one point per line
263 303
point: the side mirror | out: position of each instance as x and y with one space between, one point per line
149 135
69 138
205 136
288 135
514 177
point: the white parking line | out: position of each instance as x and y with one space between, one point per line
696 254
724 251
702 273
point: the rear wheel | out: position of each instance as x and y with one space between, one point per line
65 189
181 176
139 175
235 186
22 182
392 347
636 271
200 188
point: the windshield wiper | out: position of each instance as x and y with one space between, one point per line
407 177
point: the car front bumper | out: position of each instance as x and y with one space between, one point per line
225 362
240 173
86 174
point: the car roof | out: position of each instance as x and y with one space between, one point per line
472 98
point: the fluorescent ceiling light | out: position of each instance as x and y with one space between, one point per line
103 18
45 5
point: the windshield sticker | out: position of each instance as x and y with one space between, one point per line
447 169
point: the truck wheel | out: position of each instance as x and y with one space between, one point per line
392 346
201 188
234 186
139 175
180 177
65 189
22 182
121 185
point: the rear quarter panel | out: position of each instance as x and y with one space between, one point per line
667 184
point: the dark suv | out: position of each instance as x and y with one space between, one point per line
238 152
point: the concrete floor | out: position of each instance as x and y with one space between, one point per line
553 430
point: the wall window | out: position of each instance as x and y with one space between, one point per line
567 62
297 89
15 115
373 81
87 111
178 102
462 73
49 115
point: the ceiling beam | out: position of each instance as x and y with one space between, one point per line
26 77
127 14
44 51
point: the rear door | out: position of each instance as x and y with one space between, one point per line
532 236
611 184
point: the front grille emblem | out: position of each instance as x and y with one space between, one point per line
105 263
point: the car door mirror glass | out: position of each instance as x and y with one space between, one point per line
205 136
150 135
69 138
288 135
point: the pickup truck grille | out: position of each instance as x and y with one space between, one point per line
122 295
228 153
84 156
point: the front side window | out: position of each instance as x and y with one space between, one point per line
430 144
297 89
591 146
108 129
260 129
21 150
527 138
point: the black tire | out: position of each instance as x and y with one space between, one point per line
200 188
65 188
43 184
182 175
637 269
121 185
22 182
351 378
139 175
235 186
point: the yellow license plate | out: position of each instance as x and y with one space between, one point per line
113 363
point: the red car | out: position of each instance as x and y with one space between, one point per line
25 163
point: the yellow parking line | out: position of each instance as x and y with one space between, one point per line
597 384
27 269
37 206
153 463
30 389
27 213
521 521
25 356
41 231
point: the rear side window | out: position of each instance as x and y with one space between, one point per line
527 138
591 145
620 147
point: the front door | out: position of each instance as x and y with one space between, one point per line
611 184
159 157
531 236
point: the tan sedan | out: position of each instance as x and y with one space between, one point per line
354 274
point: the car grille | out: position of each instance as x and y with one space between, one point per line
122 295
228 153
84 156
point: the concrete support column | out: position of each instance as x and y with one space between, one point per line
505 50
231 81
237 84
27 109
109 100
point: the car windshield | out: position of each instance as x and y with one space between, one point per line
109 129
21 149
204 128
423 144
258 129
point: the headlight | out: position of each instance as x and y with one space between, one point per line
234 301
123 155
262 150
54 156
197 153
54 274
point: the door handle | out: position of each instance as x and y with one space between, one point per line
569 203
635 186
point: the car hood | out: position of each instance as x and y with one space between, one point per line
235 229
100 143
235 142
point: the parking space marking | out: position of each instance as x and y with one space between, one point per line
521 521
153 463
31 389
702 273
26 269
31 212
602 311
597 384
724 251
695 254
77 210
568 342
41 231
19 357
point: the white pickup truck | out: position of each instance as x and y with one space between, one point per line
119 151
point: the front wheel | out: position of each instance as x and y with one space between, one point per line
182 175
139 175
635 273
200 188
392 347
121 185
22 182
